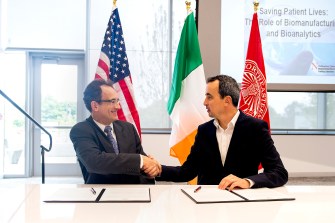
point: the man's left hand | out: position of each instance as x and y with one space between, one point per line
231 181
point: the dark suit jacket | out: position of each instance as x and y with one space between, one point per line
99 163
250 145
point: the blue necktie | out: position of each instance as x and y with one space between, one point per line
108 130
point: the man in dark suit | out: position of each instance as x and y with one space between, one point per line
228 149
120 160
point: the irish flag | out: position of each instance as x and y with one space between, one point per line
185 105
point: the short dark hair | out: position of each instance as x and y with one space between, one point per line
227 87
93 91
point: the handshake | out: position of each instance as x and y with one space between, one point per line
151 166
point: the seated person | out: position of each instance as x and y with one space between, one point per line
228 149
109 151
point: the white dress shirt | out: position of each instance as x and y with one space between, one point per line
102 127
223 137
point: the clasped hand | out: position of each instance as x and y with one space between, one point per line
231 181
151 166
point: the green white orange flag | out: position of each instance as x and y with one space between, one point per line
185 105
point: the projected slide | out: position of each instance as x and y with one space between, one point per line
298 38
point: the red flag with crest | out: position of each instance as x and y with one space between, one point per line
253 96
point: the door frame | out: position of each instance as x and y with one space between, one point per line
34 94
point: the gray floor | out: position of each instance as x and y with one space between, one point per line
79 180
311 181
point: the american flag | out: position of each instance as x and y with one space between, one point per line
113 64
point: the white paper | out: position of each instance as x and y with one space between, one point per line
261 194
73 195
126 194
216 195
212 195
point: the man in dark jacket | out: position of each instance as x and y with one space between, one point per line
109 151
228 149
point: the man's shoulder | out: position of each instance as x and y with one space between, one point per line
120 125
82 123
246 120
123 123
86 124
245 117
82 128
208 124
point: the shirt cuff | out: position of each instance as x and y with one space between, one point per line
141 163
252 183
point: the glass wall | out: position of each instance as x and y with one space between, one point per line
45 24
12 122
302 111
35 26
151 32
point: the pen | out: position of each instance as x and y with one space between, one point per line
197 189
93 191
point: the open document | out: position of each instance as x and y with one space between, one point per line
216 195
126 195
92 195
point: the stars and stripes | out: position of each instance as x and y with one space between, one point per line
113 64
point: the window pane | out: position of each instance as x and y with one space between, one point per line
12 122
302 110
151 46
46 24
330 111
151 87
59 109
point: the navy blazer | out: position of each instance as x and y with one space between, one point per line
250 145
97 159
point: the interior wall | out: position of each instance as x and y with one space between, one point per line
3 21
303 155
209 26
51 31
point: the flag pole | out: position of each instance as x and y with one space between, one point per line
256 4
188 6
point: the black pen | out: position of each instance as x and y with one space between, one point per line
93 191
197 189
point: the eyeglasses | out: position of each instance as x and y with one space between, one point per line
111 101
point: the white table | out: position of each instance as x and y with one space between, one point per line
24 203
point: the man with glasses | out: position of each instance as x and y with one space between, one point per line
109 151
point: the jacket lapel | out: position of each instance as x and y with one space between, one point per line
233 149
119 134
214 145
102 138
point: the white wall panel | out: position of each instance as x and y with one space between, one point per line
41 24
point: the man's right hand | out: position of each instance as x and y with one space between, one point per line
151 166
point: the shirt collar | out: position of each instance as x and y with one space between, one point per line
231 123
102 126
